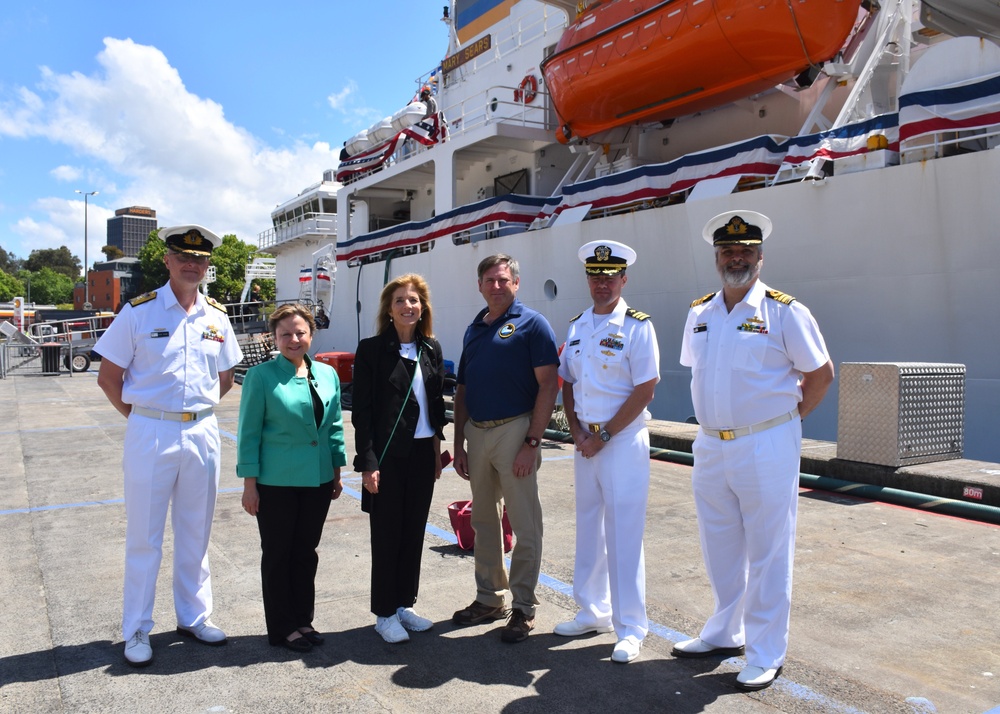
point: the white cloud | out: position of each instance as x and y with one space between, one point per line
348 103
66 173
339 99
154 143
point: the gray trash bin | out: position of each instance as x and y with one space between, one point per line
50 357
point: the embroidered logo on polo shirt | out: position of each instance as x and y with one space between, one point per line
506 331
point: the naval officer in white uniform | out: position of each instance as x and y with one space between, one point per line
167 360
758 366
610 365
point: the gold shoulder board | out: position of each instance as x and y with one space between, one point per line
702 300
136 301
780 297
632 312
215 303
577 317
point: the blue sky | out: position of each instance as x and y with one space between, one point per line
208 112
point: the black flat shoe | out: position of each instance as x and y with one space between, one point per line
314 637
299 644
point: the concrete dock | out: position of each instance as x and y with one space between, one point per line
895 609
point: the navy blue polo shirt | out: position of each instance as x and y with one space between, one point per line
499 360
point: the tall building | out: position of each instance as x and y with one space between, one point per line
130 228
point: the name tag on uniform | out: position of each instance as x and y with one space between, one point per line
160 332
574 342
700 327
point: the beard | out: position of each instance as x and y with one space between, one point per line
738 276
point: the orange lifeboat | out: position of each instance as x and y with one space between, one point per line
627 61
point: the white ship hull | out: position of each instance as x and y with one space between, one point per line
894 261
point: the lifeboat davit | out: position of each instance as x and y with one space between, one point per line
627 61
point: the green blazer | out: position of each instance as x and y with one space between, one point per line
278 442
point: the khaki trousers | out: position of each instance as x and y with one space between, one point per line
492 452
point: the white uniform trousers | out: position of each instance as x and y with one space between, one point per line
169 461
612 490
746 496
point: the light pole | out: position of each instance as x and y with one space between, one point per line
86 276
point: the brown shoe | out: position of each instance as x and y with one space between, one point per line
478 612
517 627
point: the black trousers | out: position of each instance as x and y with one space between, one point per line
398 518
290 521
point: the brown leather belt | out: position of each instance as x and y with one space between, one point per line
489 424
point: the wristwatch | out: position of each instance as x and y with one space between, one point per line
605 435
532 442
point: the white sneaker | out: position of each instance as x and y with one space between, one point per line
412 621
626 650
138 651
391 629
575 628
206 633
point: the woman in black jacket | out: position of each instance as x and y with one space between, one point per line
398 417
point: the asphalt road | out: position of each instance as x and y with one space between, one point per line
895 610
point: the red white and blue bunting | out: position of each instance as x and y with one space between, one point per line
961 107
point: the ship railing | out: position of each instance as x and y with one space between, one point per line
310 224
951 143
491 107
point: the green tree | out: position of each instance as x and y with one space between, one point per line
230 260
58 259
9 263
48 287
10 286
112 252
154 271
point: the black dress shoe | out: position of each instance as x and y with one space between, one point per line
299 644
314 637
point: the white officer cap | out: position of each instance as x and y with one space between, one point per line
737 227
605 257
191 239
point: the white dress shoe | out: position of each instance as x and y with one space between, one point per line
753 678
206 633
575 628
391 629
626 650
138 651
412 621
699 648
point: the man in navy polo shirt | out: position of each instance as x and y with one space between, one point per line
507 385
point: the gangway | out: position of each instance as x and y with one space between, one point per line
76 338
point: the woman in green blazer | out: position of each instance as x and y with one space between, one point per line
290 447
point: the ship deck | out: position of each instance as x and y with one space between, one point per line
894 610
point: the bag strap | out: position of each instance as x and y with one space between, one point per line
401 408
